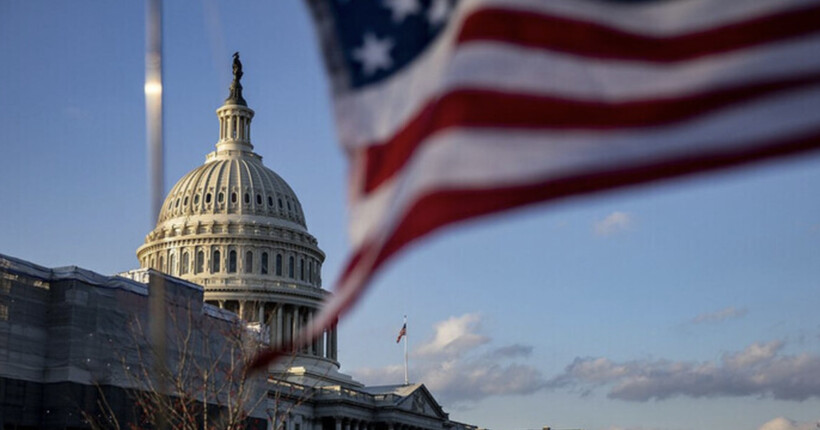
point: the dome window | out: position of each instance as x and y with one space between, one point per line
290 266
258 199
263 268
280 203
278 264
185 201
233 197
221 197
196 199
208 198
301 269
184 269
177 203
247 199
270 201
248 261
232 262
200 262
215 262
288 204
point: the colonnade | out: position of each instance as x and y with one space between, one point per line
282 322
343 423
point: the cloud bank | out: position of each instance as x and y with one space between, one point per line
759 370
783 423
613 223
458 367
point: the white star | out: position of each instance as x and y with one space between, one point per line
401 8
374 54
438 12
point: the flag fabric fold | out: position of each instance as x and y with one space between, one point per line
402 333
450 110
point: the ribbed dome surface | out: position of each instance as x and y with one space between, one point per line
237 184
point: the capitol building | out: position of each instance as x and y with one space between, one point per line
231 243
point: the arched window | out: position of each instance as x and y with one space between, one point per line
161 263
200 261
184 269
220 197
248 262
171 264
215 263
247 198
233 197
310 271
208 198
232 262
264 265
301 269
290 266
278 264
258 199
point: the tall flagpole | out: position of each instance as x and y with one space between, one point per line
406 379
154 138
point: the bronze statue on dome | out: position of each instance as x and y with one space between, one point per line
236 88
237 67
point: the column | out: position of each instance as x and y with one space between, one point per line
260 312
311 346
320 351
280 329
286 327
296 323
334 339
221 304
338 423
242 309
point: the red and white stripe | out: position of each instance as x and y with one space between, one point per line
523 101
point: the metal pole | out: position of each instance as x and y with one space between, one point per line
406 379
154 140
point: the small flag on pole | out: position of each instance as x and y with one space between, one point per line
402 333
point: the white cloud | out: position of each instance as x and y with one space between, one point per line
457 369
454 336
718 316
613 223
759 370
783 423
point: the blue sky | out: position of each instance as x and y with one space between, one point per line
690 304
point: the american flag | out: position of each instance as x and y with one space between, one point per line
402 333
453 109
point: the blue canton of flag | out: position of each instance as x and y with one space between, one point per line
379 37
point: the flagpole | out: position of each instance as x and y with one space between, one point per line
406 380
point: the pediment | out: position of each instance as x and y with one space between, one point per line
420 401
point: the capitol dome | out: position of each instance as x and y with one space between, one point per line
237 229
228 184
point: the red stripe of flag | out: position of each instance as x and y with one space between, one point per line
485 108
585 38
438 209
